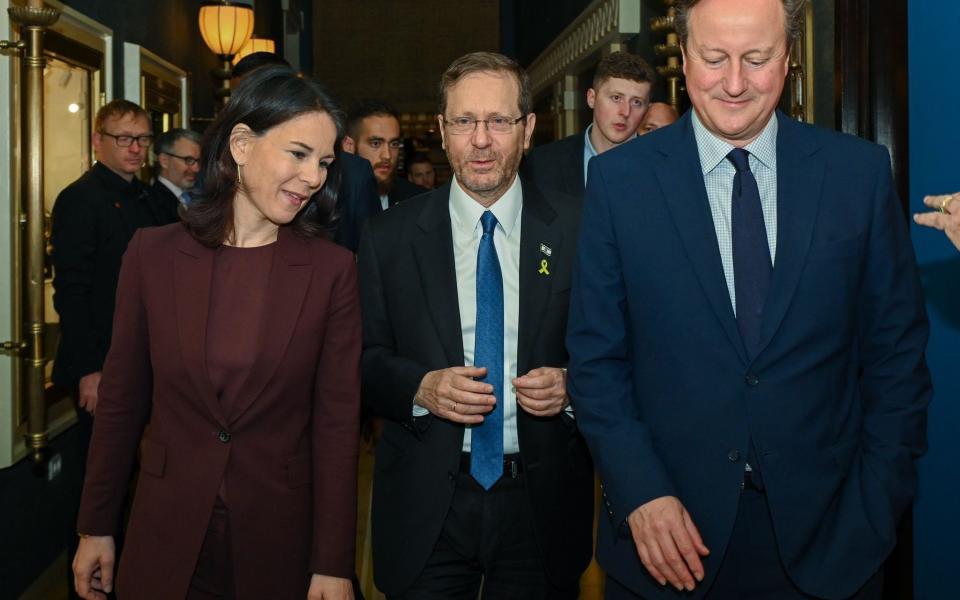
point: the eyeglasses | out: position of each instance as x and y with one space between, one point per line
125 141
467 125
187 160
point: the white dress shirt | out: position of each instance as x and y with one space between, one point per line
465 213
177 191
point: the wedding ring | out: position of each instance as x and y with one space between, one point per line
455 407
946 202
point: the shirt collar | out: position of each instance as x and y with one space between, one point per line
177 191
588 150
465 212
713 150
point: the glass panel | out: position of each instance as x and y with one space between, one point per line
68 92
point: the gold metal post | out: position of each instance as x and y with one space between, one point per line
33 20
673 69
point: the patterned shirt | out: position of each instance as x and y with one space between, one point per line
718 174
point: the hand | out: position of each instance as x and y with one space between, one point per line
542 392
947 221
453 394
668 542
325 587
93 566
88 391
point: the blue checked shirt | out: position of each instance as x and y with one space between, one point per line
718 175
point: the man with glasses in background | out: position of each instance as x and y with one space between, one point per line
177 166
482 478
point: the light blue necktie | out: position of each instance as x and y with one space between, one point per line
486 446
185 198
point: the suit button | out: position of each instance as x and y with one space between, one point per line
733 455
752 380
224 437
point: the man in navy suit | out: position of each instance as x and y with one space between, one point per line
746 337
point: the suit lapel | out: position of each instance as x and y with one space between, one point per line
574 177
289 279
433 252
193 269
800 173
535 287
686 197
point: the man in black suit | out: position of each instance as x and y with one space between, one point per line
93 219
177 166
481 473
619 98
373 133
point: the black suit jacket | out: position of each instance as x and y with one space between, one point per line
357 199
557 165
93 220
401 189
412 326
170 204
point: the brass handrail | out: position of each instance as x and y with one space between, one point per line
33 20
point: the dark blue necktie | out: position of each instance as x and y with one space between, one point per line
752 268
486 445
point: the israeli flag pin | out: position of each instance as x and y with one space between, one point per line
545 249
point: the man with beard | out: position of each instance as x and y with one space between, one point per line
178 162
373 133
481 474
619 98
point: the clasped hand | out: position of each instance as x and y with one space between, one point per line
455 394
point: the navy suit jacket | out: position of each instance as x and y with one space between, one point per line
664 393
357 199
557 165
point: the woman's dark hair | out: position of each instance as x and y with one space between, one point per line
264 99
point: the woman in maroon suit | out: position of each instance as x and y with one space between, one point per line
235 356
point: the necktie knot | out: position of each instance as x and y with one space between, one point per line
488 222
740 159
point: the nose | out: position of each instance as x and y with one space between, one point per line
481 135
734 82
384 152
624 108
313 176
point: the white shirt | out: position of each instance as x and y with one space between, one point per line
172 187
465 213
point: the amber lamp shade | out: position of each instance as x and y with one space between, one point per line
255 44
225 26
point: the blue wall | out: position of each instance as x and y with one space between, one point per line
935 169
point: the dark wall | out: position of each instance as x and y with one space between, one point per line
171 31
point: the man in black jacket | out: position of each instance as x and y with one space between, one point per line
93 219
619 98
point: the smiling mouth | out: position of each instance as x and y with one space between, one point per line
295 199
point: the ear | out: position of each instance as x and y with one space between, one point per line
348 145
241 143
528 130
443 135
97 141
683 60
591 97
163 160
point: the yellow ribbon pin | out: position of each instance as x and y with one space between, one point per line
543 268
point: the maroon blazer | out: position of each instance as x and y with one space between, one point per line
287 455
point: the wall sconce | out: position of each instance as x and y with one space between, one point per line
225 26
255 44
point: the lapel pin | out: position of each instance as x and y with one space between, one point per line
545 249
544 270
